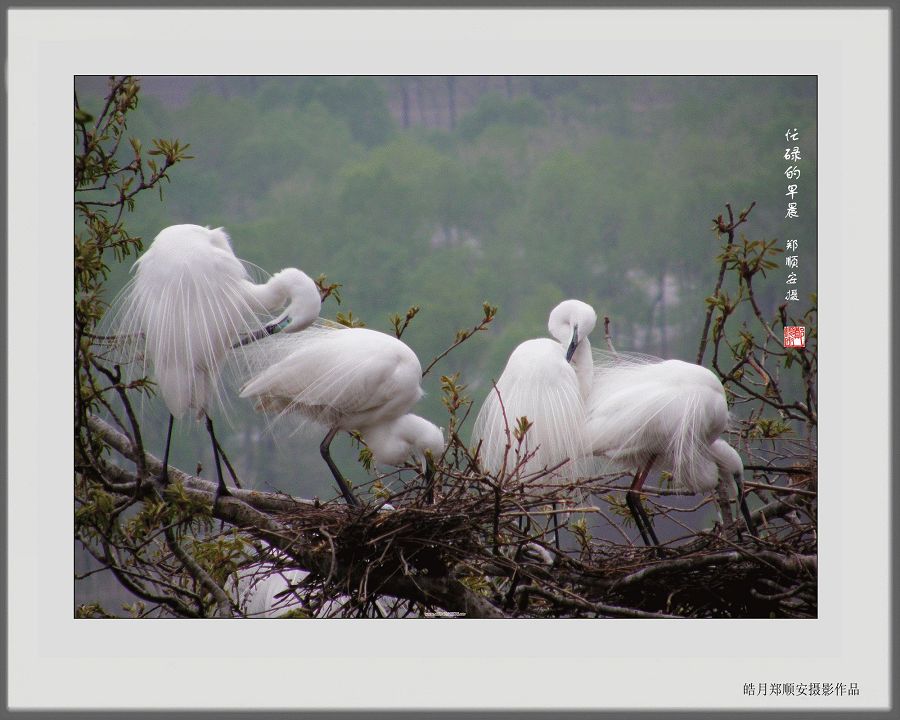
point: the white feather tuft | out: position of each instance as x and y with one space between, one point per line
642 408
190 301
344 378
403 439
182 311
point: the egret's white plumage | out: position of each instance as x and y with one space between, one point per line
644 412
728 461
262 590
350 378
265 590
346 379
189 303
191 300
539 382
571 323
406 438
672 411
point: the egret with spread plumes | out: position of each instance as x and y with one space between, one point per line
347 379
644 412
191 300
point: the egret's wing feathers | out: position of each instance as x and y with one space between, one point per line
180 314
347 378
669 410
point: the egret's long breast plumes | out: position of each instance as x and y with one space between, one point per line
546 381
190 300
182 307
642 407
346 379
537 383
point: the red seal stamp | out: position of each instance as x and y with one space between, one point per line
794 336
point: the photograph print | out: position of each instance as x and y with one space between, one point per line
421 347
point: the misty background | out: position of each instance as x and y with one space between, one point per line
445 192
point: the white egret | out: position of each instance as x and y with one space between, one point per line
730 467
269 590
643 411
190 300
347 379
263 590
546 381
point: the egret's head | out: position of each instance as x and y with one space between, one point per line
727 460
570 322
407 438
304 301
433 441
425 438
731 467
218 238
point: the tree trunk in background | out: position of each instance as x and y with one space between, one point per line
420 99
451 98
404 98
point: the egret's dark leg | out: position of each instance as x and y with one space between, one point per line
228 465
633 499
221 490
324 448
524 524
165 469
636 513
745 511
555 526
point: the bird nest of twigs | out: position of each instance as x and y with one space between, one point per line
495 540
467 543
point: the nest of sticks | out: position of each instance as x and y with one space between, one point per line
497 540
462 542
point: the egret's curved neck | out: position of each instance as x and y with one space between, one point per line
273 294
583 364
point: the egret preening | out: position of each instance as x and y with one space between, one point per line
190 301
546 381
643 412
409 437
347 379
730 467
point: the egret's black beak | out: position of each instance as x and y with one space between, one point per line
572 345
269 329
745 511
429 477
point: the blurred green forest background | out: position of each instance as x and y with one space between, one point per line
447 192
